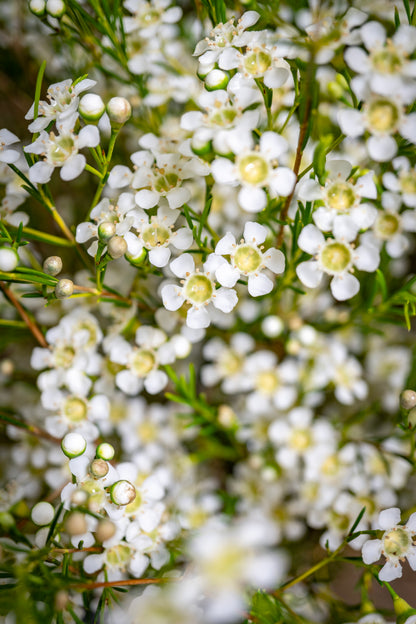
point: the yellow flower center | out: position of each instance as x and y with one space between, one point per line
63 356
383 116
155 236
118 556
408 182
247 259
300 439
386 61
253 169
60 150
267 382
198 288
257 62
166 182
387 226
335 257
340 196
142 362
396 542
75 409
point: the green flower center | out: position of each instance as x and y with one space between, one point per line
198 288
383 116
150 17
142 362
387 225
335 257
267 382
396 542
166 182
63 356
257 63
408 182
118 556
61 149
253 169
75 409
386 61
300 439
155 236
340 196
223 117
247 259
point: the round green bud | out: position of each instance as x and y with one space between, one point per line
64 288
55 8
122 492
42 513
73 445
138 260
105 451
119 110
106 230
52 265
6 520
91 107
38 7
216 79
408 399
117 247
203 70
8 259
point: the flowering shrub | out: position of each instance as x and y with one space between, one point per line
207 274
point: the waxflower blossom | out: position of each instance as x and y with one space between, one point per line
248 259
61 151
198 289
335 257
341 197
395 545
256 169
147 17
62 106
8 154
403 181
391 226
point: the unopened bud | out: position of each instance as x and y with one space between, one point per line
411 418
105 530
106 230
6 520
204 70
52 265
91 107
408 399
8 259
122 492
105 451
99 468
272 326
119 110
73 445
64 288
76 524
61 600
117 247
216 79
79 497
38 7
55 8
226 416
42 513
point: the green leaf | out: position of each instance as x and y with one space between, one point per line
38 90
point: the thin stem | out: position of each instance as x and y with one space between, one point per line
33 328
125 582
104 172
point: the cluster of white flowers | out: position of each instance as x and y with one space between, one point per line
195 416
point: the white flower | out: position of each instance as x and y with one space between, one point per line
228 363
149 16
248 259
335 257
142 363
271 384
155 234
62 106
8 155
61 151
123 215
382 116
341 197
403 182
386 68
395 545
198 290
162 176
256 170
390 226
224 36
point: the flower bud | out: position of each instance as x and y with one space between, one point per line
137 260
119 110
105 451
42 513
117 247
99 468
64 288
8 259
61 600
38 7
272 326
408 399
76 524
6 520
91 107
204 70
52 265
73 445
106 230
411 418
122 492
105 530
216 79
55 8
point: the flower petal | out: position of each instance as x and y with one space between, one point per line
259 285
344 286
274 260
310 239
388 518
225 299
309 273
372 551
